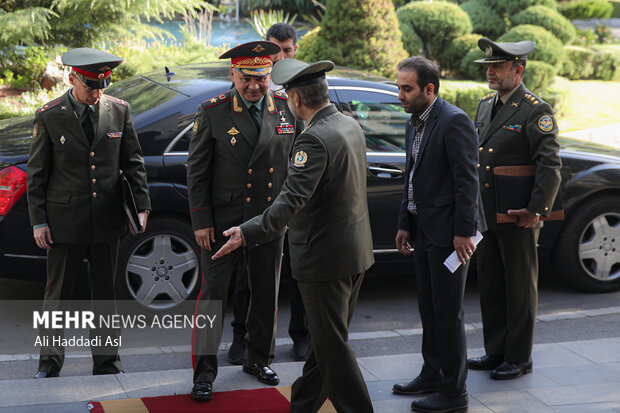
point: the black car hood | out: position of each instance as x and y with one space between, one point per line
590 150
15 138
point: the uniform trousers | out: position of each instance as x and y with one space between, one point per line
64 263
440 301
263 267
331 369
508 282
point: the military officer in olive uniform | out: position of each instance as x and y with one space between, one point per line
323 201
237 164
80 142
515 128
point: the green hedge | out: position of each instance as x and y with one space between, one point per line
470 70
557 95
579 63
548 18
464 94
306 45
411 41
484 19
450 57
587 9
548 47
616 9
607 62
538 75
436 23
511 7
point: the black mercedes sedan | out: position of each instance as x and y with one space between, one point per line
161 267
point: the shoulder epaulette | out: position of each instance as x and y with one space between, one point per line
490 95
533 99
216 100
281 95
117 100
49 105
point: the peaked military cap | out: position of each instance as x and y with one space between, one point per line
503 52
252 58
293 72
94 65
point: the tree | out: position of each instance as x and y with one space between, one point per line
362 34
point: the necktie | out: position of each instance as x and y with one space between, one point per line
254 113
498 105
87 125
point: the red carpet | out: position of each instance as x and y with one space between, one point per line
268 400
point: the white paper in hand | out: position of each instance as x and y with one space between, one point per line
452 262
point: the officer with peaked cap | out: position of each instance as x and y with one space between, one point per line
323 202
80 142
236 166
515 127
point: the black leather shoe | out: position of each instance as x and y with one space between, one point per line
418 385
202 391
45 374
236 353
300 349
486 362
508 370
263 373
438 403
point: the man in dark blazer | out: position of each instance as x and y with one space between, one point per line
323 201
516 128
236 166
440 213
80 142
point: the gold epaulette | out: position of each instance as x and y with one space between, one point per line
280 94
531 98
216 100
490 95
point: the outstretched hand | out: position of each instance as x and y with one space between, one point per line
236 240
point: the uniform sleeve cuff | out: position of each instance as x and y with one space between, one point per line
39 226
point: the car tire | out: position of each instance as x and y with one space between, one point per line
160 268
588 249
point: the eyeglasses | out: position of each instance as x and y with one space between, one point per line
88 89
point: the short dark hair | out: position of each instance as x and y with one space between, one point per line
312 96
427 71
282 32
522 61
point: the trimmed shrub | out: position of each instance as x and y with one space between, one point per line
411 41
306 45
450 57
470 70
508 8
538 75
465 95
584 38
548 18
587 9
361 34
616 9
436 23
484 19
579 63
607 62
549 48
557 95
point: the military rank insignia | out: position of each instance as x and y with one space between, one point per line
300 159
114 135
545 123
62 140
516 128
196 125
35 132
284 127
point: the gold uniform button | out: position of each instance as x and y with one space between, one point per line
94 181
488 168
250 171
249 185
269 185
92 167
270 170
94 195
480 149
487 185
248 200
490 150
546 208
268 199
478 166
92 154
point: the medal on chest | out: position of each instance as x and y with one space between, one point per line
284 127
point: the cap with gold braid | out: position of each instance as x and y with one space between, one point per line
94 66
252 58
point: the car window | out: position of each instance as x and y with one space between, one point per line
142 94
182 143
381 116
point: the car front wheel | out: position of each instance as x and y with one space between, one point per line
588 250
159 268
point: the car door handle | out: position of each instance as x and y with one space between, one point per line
381 172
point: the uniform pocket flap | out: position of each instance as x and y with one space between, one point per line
59 197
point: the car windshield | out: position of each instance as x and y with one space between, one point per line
141 93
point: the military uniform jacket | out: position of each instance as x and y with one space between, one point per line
323 200
230 179
523 132
73 186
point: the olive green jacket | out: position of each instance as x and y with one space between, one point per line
324 202
234 172
73 186
523 132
